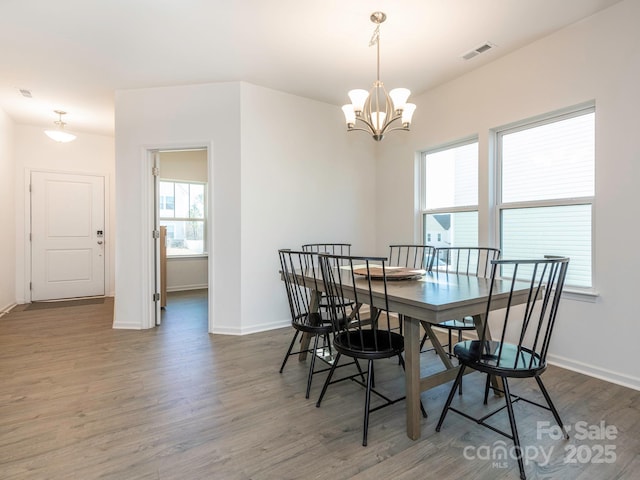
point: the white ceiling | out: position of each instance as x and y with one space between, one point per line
73 54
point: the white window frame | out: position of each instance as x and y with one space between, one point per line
180 219
500 206
423 187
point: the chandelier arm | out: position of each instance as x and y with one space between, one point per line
367 123
406 129
367 130
385 128
373 105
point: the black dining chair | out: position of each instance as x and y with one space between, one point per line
300 272
520 347
367 335
332 248
475 261
411 256
339 249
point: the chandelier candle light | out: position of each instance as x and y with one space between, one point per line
376 109
60 134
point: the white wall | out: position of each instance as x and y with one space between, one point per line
187 273
7 214
284 173
189 165
165 118
88 154
304 180
599 59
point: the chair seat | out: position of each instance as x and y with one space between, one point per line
488 357
316 323
464 324
369 344
325 302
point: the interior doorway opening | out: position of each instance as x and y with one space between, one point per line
186 310
182 218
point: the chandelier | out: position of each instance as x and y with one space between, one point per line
376 110
60 134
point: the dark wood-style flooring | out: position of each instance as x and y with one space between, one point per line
79 400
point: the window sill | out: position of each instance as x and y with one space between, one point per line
580 294
186 257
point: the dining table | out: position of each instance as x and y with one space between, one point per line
423 300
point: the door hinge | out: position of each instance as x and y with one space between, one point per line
155 171
156 234
30 286
29 188
156 297
30 237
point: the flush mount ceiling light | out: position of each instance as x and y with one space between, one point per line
60 134
374 111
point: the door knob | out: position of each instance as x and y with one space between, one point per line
99 242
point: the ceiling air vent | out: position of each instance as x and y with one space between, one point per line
478 50
25 93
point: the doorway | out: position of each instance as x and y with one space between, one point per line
67 236
181 200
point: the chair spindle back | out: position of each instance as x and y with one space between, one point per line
363 280
474 261
411 256
525 330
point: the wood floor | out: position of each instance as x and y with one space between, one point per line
79 400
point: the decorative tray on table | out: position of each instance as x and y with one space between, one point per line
393 273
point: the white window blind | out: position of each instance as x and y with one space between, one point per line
547 190
451 177
551 161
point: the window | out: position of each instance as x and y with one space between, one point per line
546 191
449 195
182 211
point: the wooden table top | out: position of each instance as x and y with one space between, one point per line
434 296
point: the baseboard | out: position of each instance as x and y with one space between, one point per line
126 326
262 327
184 288
226 331
584 368
7 308
593 371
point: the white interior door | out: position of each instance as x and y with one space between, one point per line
67 236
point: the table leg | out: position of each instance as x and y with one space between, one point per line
437 346
412 376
